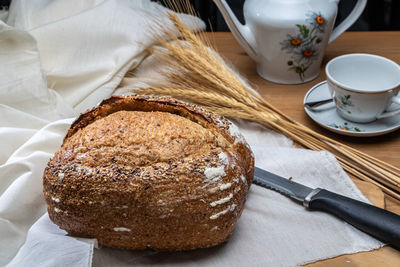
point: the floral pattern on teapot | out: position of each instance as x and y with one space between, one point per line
304 45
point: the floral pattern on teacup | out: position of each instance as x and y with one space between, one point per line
303 46
343 102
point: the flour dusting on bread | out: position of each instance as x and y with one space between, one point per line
214 174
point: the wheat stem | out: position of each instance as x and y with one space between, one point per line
197 74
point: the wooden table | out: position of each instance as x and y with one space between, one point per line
289 99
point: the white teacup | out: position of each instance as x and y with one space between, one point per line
363 86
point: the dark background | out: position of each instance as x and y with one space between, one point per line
379 15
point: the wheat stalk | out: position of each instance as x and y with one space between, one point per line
198 75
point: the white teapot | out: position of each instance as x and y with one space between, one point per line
288 38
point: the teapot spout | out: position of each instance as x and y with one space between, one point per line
241 32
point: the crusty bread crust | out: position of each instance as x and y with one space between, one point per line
143 172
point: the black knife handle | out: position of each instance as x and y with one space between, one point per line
380 223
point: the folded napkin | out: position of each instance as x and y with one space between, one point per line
64 57
272 231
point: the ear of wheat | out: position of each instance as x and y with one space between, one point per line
196 73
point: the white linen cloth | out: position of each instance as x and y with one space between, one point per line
82 50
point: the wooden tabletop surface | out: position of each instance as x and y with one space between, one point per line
289 99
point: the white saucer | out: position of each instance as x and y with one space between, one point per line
327 117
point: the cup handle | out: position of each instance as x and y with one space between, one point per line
351 18
396 100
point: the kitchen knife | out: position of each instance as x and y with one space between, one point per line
377 222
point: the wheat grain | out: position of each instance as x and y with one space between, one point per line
197 74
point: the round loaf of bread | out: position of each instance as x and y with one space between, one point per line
142 172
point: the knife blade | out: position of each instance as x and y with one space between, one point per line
377 222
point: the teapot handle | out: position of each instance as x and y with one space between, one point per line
351 18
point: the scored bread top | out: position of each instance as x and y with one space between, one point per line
141 138
139 131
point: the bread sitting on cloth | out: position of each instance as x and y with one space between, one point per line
142 172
